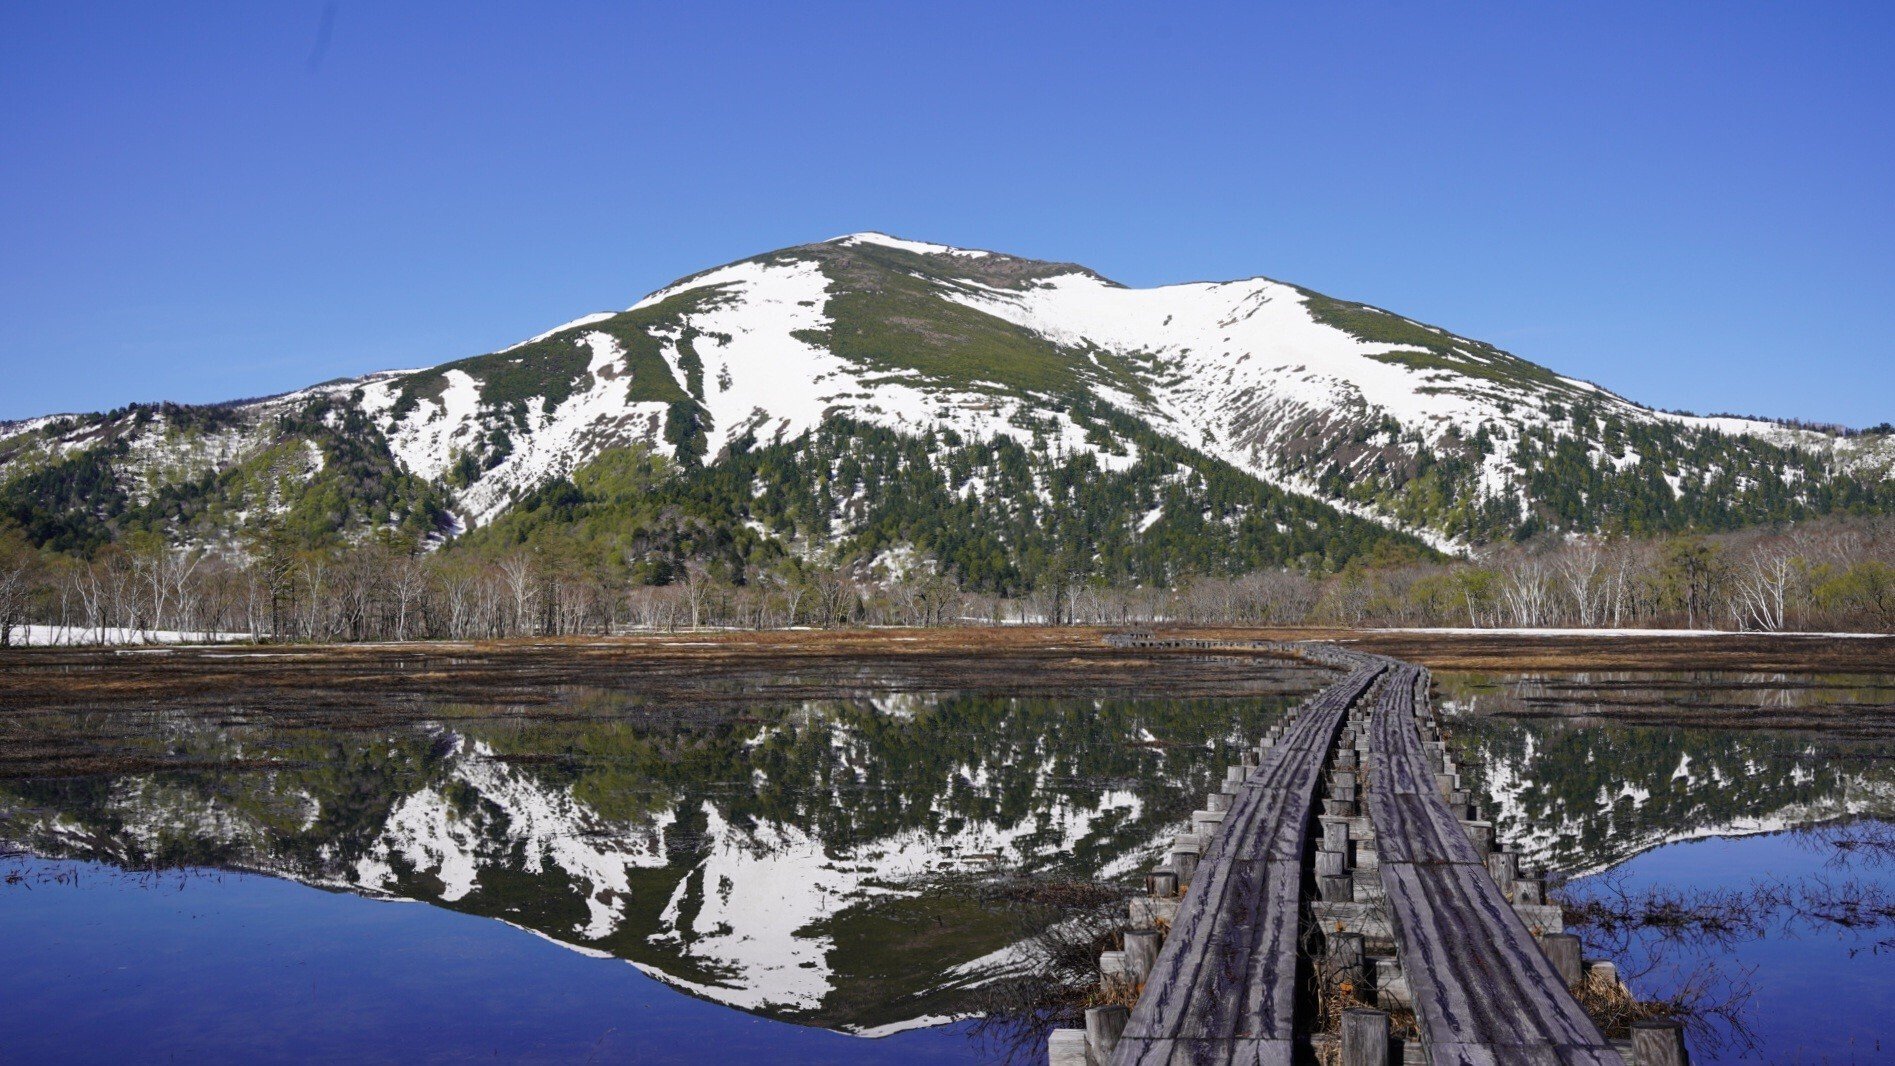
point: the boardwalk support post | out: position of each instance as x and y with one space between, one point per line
1336 836
1345 957
1364 1037
1529 888
1066 1047
1186 864
1103 1027
1658 1043
1504 866
1562 950
1141 951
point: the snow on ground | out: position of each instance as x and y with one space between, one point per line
77 635
1247 362
778 385
1232 341
766 381
923 247
582 320
425 440
593 417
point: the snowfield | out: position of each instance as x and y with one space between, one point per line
66 636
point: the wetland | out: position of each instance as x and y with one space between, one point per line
836 846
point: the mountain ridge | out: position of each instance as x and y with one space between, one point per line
1367 413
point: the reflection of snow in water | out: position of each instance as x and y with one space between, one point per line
752 909
746 910
545 829
761 894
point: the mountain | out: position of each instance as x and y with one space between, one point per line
1006 416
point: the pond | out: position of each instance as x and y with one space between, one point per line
845 878
1749 871
775 874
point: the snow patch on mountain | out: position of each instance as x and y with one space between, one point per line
922 247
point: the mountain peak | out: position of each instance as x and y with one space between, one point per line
902 244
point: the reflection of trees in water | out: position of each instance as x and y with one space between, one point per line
1581 795
1576 693
1071 786
1684 947
841 770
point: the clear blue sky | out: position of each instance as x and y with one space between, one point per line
1690 204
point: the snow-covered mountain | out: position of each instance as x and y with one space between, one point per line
1359 409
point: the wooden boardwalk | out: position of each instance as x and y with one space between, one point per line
1483 991
1236 978
1224 986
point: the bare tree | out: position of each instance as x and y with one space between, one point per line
1527 592
1762 590
516 571
15 587
1582 571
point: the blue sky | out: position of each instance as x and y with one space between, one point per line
1689 204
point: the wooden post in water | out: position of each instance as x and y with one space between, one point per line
1364 1037
1104 1025
1066 1047
1336 836
1337 888
1482 834
1503 865
1562 950
1344 956
1658 1043
1141 951
1186 864
1529 888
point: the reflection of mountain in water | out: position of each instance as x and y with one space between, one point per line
810 863
1579 797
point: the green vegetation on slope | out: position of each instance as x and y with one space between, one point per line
997 515
1440 350
85 498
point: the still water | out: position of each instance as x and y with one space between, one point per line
1750 871
816 878
808 880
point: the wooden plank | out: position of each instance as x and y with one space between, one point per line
1224 986
1471 1055
1414 828
1201 1052
1482 989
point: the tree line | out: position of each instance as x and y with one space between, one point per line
1826 574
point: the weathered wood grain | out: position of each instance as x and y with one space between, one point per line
1223 988
1483 991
